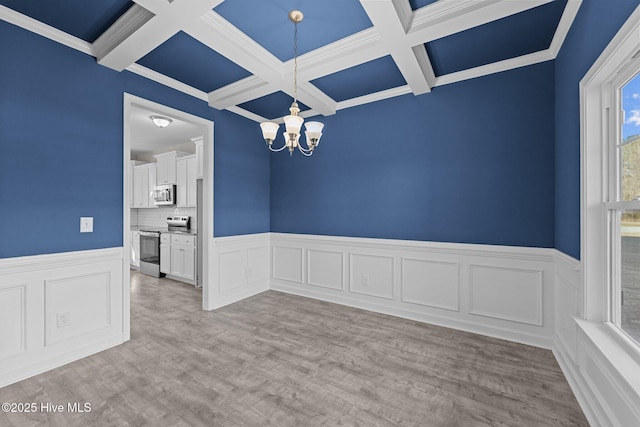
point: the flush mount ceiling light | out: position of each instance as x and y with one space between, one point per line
293 122
160 121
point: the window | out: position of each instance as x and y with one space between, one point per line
623 206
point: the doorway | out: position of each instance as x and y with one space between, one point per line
133 107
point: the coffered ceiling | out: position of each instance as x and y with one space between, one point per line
238 54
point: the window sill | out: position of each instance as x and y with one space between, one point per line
623 356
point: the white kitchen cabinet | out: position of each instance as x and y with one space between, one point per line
181 256
178 256
144 179
135 248
187 170
166 167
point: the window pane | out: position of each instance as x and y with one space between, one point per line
630 158
630 272
630 145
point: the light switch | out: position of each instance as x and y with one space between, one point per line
86 224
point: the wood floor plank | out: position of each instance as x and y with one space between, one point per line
278 359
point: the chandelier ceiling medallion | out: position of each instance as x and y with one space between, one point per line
293 122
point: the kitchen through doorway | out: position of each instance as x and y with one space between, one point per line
168 197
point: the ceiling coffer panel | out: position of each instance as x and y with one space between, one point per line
272 106
510 37
189 61
267 23
370 77
80 18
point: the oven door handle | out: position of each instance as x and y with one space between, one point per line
147 234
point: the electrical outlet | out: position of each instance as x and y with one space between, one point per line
64 319
365 280
86 224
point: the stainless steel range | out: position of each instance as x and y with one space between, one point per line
150 243
150 253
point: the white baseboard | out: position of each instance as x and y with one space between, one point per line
57 308
57 360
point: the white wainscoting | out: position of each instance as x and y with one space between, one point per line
603 373
505 292
58 308
241 268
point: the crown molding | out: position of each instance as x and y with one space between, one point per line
374 97
568 16
246 114
495 67
44 30
168 81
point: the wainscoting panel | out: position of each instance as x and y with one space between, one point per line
325 269
57 308
13 320
287 263
371 275
242 268
507 294
431 283
75 306
231 270
258 263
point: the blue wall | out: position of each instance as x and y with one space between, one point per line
471 162
61 150
594 27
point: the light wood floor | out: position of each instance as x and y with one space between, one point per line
281 360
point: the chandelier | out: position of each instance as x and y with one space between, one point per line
293 122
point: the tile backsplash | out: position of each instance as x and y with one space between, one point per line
157 217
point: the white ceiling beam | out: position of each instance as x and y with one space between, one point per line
391 19
239 92
221 36
139 31
345 53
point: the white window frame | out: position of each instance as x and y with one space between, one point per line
599 126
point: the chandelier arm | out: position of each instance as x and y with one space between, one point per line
307 152
276 150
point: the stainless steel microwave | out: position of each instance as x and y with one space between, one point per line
164 195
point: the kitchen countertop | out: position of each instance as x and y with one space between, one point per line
191 231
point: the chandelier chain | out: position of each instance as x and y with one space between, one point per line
295 62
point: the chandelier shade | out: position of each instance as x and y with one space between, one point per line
293 122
